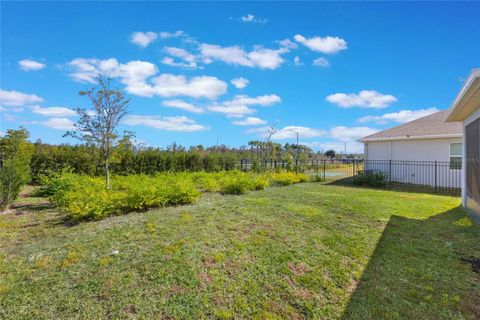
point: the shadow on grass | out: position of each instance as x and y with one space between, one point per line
400 187
31 207
421 269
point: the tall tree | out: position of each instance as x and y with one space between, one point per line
330 154
99 125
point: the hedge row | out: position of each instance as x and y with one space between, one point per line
86 198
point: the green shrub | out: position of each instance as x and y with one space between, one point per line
85 198
208 182
371 179
15 156
51 181
11 182
317 178
239 184
287 178
260 182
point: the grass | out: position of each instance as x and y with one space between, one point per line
303 251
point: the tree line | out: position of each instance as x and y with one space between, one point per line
103 150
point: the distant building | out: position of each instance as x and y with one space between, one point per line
426 151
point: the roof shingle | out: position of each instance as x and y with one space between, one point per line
431 125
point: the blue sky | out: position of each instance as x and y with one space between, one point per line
195 72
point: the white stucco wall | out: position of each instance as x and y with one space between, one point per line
411 150
379 153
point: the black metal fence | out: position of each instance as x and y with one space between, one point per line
422 176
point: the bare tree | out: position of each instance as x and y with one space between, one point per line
268 145
98 126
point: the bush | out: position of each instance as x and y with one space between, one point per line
11 182
15 156
260 182
238 184
287 178
317 178
208 182
85 198
371 179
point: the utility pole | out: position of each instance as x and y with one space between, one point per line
216 148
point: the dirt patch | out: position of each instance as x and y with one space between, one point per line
176 290
298 269
474 262
208 262
130 310
352 286
205 278
303 294
472 305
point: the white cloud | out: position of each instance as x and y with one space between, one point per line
303 133
260 57
17 99
8 117
169 85
339 147
166 35
240 83
190 60
143 39
265 100
289 132
58 124
399 117
31 65
135 74
297 61
364 99
54 111
179 104
321 62
181 124
288 44
241 105
327 45
250 121
251 18
350 134
234 111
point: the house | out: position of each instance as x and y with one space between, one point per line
425 151
466 110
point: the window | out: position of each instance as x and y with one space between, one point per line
455 156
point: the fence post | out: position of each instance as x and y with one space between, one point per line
354 171
324 178
390 171
435 176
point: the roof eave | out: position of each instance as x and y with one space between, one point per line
436 136
468 89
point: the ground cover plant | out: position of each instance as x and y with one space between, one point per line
305 251
371 179
86 198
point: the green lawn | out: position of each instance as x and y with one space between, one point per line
304 251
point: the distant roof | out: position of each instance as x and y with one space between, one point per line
429 127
